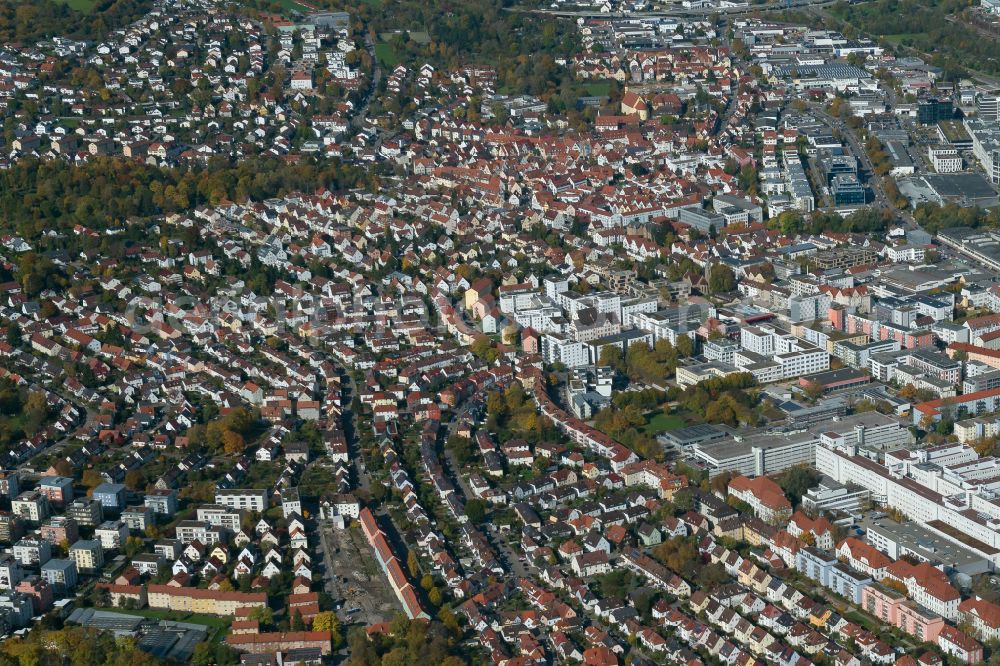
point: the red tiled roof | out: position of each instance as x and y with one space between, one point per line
764 489
987 612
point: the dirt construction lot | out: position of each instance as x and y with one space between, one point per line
354 579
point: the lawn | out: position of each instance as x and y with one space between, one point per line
85 6
598 88
865 621
262 476
663 422
293 6
288 6
386 54
897 39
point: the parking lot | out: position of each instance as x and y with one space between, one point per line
354 579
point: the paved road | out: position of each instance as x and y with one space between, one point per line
359 118
679 11
852 140
349 423
81 432
868 170
508 557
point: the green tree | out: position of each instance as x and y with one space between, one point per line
203 655
412 564
711 576
263 615
14 334
461 448
611 356
328 621
685 346
797 480
475 511
813 391
721 279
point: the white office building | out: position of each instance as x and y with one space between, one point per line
558 348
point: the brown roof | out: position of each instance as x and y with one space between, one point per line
283 637
764 489
218 595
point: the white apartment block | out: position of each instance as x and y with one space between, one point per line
246 499
985 145
220 516
723 350
772 357
758 455
558 349
32 552
547 319
514 299
555 286
190 530
869 430
757 339
637 306
10 573
803 362
32 506
111 534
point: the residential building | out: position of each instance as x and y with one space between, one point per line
60 574
111 497
243 498
87 554
112 534
86 512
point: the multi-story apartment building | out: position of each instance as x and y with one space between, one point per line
59 489
87 554
111 496
10 572
194 600
162 502
60 574
220 516
557 348
190 530
764 496
848 583
944 159
11 527
829 495
985 145
983 615
32 552
86 512
112 534
32 506
757 454
10 485
60 528
246 499
137 518
815 564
